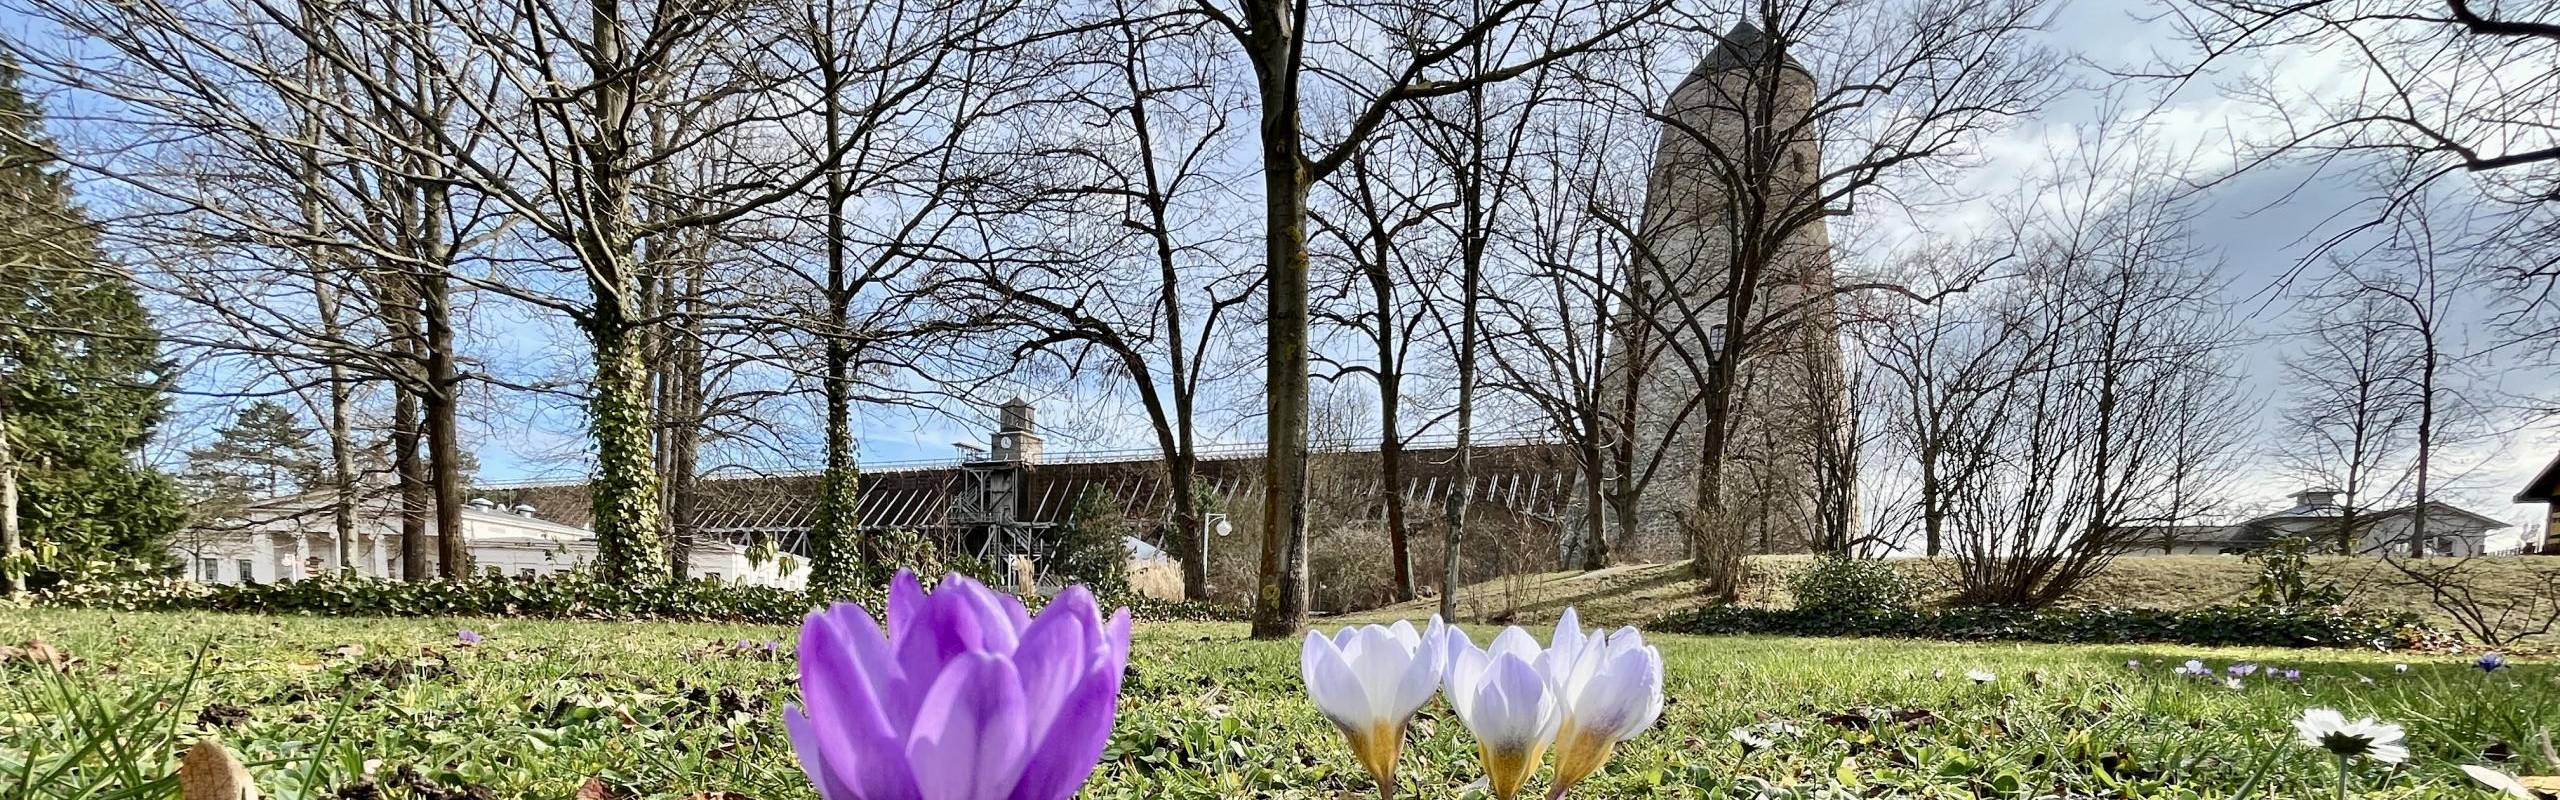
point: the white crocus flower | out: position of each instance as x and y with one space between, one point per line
1980 675
2329 730
1369 680
1611 688
1505 697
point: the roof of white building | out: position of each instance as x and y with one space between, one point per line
484 522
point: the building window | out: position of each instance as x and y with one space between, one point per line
209 570
248 571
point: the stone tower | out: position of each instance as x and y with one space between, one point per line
1750 104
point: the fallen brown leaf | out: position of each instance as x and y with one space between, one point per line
594 789
2545 785
208 771
40 653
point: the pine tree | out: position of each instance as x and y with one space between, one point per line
1089 549
79 376
266 451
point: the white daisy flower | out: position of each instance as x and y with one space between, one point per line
2329 730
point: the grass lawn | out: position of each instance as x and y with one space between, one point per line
666 710
1635 593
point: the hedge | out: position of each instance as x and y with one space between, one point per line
564 596
2219 625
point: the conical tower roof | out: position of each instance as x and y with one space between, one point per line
1744 47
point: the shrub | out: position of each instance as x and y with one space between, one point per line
575 595
2256 626
1089 549
2284 576
1844 584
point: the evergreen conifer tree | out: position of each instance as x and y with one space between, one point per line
80 376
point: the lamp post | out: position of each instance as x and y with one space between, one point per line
1212 522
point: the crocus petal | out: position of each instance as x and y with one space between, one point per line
1518 643
969 741
1331 683
995 626
1067 754
853 724
906 600
1421 674
1514 719
1568 636
821 756
1467 665
1381 665
1055 653
1624 700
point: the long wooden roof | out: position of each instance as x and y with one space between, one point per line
1532 481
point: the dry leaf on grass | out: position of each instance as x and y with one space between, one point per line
37 652
2545 785
209 772
594 789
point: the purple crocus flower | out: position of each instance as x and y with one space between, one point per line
967 696
466 637
2290 674
2242 670
2490 661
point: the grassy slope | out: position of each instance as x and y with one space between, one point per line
542 705
1639 593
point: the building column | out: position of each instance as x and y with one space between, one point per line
301 555
263 553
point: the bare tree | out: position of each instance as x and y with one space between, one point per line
319 235
2345 426
1425 60
1554 309
2497 621
2419 289
2115 387
2447 96
1154 301
1388 197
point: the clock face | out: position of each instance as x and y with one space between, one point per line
1004 441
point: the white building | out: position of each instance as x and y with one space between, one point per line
2316 514
291 538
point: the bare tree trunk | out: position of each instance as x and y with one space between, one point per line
1391 434
1595 545
415 495
2426 432
342 470
1281 601
13 579
438 405
1472 243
